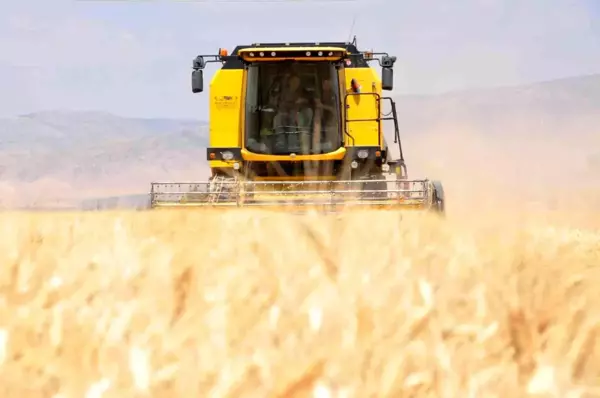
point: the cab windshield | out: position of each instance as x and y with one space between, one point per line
292 108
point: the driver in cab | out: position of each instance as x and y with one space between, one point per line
295 108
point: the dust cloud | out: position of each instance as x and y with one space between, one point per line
519 172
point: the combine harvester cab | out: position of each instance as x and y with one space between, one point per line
295 126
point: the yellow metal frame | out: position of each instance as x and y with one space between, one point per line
256 157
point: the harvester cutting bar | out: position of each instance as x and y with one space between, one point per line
327 195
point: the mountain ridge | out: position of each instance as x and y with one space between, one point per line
73 154
591 77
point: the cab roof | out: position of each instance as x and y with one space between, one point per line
357 59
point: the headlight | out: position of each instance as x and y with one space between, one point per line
385 167
354 164
362 154
227 155
236 166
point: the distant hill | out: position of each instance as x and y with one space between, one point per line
78 154
87 155
546 106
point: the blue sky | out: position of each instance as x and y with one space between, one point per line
133 57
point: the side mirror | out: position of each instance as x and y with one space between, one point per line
197 81
387 79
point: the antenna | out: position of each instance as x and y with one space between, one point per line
354 18
352 28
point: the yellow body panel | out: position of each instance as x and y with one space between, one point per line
255 157
220 164
363 106
226 106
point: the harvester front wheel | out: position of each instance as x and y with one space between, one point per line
438 200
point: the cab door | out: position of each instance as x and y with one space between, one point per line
362 108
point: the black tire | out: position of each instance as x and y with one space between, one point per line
439 200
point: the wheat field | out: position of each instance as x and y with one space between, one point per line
498 299
259 304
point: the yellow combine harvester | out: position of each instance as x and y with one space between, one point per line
299 125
